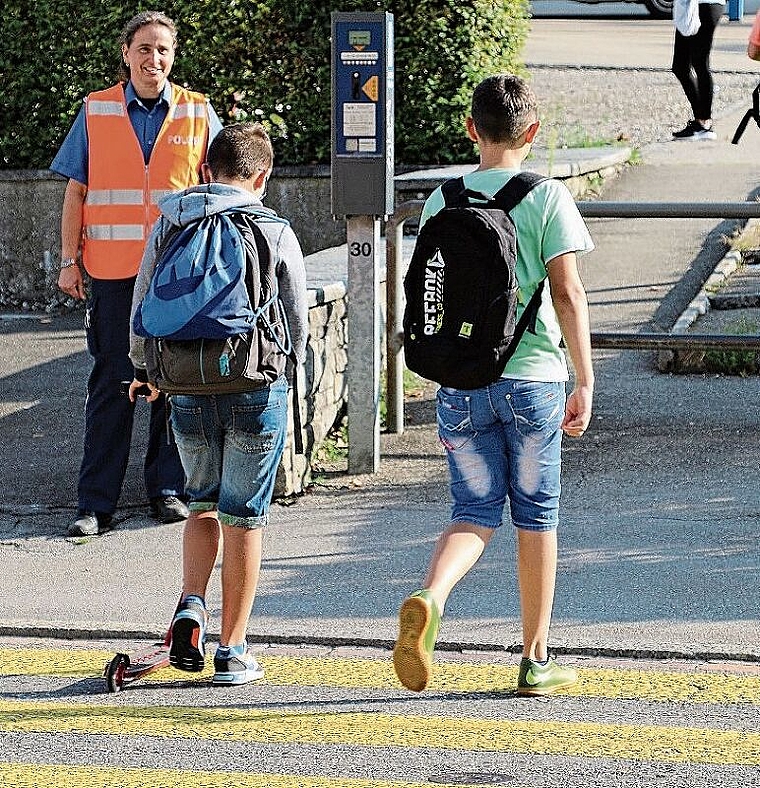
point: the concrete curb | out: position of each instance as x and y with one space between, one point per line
380 644
561 163
700 304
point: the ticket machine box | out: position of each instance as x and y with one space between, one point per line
362 155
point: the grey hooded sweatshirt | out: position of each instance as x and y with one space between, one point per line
181 208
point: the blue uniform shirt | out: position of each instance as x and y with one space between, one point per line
72 159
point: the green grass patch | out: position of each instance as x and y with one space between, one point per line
742 363
333 451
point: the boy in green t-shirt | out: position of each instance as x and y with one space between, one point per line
503 440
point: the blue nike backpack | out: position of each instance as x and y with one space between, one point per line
212 317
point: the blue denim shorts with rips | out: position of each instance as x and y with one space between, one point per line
503 443
230 446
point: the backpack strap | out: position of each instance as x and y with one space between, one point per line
451 191
457 195
527 322
264 253
517 188
510 195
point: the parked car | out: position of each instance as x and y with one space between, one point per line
662 9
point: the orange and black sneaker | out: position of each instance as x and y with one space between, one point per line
188 645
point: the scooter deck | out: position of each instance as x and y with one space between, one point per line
124 668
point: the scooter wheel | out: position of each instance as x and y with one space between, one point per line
114 672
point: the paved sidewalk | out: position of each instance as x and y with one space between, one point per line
659 548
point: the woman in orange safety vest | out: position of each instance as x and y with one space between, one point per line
131 144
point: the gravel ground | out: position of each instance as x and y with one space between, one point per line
584 107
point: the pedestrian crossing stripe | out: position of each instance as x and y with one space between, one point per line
60 776
368 729
352 673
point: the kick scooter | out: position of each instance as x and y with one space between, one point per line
124 669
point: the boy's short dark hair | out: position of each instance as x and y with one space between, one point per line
239 151
503 106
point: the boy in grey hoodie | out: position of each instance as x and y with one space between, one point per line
230 444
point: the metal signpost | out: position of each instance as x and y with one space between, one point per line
362 191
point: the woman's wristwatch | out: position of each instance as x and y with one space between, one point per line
67 262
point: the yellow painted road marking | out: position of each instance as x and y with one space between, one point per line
579 739
59 776
447 676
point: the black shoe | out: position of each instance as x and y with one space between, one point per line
169 509
90 524
188 645
694 130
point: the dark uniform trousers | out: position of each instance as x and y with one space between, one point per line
109 414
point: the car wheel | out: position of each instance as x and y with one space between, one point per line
662 9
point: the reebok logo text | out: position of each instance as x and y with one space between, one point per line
433 294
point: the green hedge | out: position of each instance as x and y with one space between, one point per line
266 60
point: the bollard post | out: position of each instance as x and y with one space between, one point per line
362 168
364 337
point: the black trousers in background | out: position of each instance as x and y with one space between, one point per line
691 61
109 414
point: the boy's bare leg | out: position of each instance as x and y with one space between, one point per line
241 563
200 544
457 550
536 571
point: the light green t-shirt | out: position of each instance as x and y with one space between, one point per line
548 224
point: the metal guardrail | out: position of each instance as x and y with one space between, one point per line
607 340
629 341
669 210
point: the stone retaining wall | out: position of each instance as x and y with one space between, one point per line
322 385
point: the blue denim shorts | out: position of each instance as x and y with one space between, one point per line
503 443
230 446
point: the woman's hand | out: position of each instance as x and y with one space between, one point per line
70 281
137 389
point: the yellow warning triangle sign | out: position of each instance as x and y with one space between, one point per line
371 88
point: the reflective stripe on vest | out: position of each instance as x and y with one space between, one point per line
116 232
120 206
114 197
189 111
106 108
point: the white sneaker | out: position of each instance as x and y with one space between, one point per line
235 665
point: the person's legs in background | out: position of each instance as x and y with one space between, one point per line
683 70
164 475
709 17
691 66
109 414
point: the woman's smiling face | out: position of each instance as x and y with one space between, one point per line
149 58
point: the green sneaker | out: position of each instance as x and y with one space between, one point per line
535 678
418 622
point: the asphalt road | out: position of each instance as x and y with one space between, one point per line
338 719
631 40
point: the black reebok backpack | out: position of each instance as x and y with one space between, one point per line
461 290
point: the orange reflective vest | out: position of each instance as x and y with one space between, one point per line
122 191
